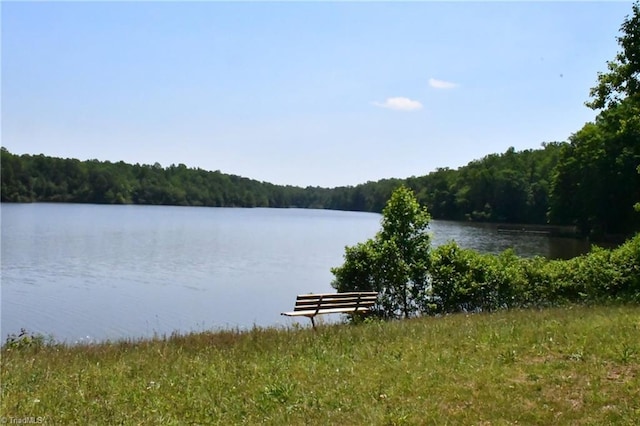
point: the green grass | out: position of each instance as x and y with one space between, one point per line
577 365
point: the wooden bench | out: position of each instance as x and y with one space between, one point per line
310 305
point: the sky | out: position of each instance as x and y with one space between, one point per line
300 93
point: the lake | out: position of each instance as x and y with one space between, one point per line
82 272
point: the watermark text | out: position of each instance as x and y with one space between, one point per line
26 420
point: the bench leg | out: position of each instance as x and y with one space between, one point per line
313 323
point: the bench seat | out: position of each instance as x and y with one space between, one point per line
324 311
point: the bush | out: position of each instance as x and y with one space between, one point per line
26 340
464 280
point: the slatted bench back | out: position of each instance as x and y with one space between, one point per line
314 304
310 305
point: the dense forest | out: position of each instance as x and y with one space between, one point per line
510 187
591 182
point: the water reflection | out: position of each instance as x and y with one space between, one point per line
486 238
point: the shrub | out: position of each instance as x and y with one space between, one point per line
464 280
26 340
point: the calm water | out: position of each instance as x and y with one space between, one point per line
88 272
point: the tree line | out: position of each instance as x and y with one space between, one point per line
510 187
41 178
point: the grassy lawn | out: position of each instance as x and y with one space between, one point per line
578 365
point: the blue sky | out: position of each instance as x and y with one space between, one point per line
300 93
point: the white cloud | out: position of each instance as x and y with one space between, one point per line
399 104
441 84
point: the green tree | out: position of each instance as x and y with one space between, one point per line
595 184
395 262
623 78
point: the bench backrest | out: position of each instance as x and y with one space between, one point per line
361 301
